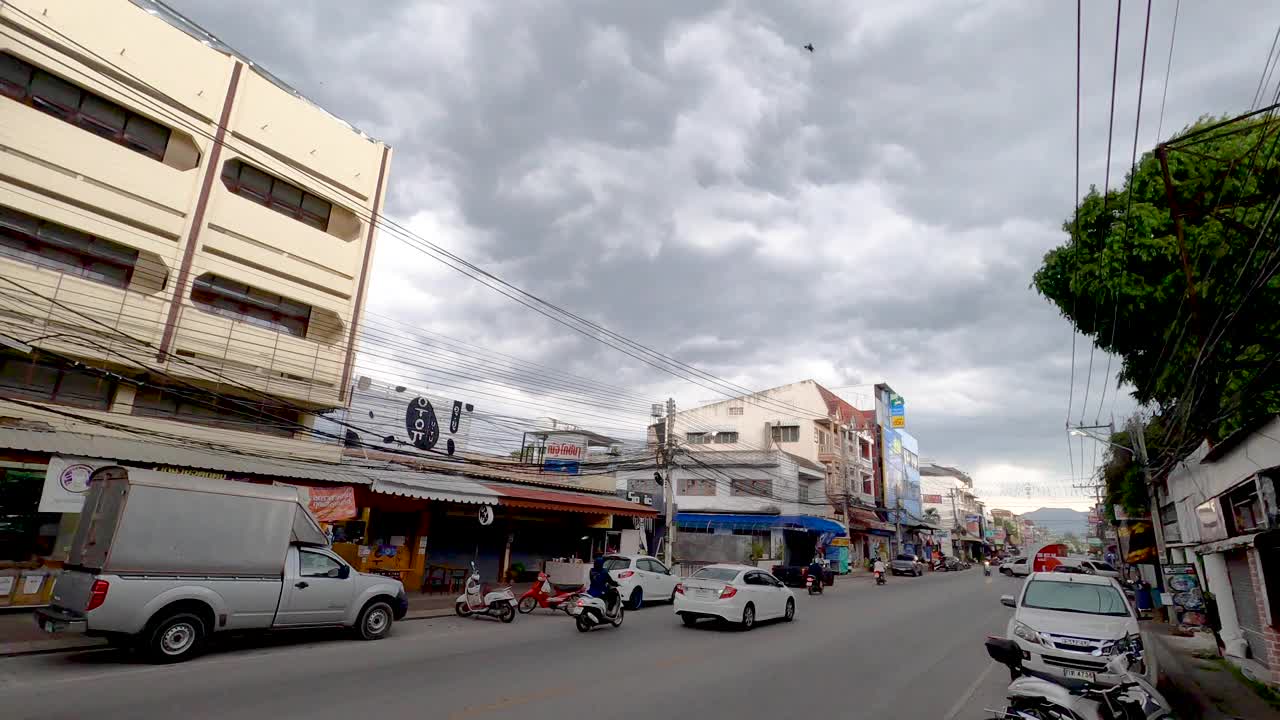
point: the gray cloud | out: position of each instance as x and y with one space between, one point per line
683 173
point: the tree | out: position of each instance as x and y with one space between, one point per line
1198 340
1073 542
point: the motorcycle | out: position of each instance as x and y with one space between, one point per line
880 577
1039 696
546 594
500 603
589 611
813 584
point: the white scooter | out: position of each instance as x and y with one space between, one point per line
1033 696
500 603
589 611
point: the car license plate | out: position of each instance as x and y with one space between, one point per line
1080 674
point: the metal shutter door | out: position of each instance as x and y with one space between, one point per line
1246 601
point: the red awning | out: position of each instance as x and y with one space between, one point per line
866 520
538 499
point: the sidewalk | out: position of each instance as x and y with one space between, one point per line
1197 682
20 636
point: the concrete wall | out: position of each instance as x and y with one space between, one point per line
62 173
717 548
797 403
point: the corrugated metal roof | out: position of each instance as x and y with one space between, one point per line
439 487
539 498
129 450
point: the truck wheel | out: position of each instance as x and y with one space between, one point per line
375 621
175 638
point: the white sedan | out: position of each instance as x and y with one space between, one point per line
640 579
737 593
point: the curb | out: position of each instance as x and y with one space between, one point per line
422 615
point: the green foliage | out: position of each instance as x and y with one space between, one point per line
1122 281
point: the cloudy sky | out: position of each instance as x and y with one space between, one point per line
685 174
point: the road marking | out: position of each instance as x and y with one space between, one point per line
964 699
511 702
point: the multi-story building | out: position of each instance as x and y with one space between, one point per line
185 245
810 422
949 496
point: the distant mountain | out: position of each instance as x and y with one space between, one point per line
1060 521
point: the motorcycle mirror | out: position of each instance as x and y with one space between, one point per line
1004 651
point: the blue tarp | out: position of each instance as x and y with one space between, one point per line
760 522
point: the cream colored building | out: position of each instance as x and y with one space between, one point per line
803 419
171 212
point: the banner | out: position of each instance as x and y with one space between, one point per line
1185 588
897 411
328 504
935 499
1137 541
66 481
971 524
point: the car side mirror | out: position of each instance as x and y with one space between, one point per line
344 572
1008 601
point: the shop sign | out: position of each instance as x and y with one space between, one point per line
935 499
1187 596
66 481
897 411
209 474
604 522
328 504
485 515
6 585
971 524
565 454
645 499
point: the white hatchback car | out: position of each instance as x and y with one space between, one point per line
641 579
1015 567
1070 625
737 593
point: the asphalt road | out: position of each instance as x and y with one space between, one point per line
910 649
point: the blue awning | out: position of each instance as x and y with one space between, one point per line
760 522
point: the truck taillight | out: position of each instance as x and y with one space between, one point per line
97 595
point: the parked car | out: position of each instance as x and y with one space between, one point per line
1099 567
641 578
906 564
735 593
1069 625
168 560
1016 567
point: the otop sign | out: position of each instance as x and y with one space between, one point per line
1046 558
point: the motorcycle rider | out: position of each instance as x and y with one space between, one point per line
815 572
603 585
878 568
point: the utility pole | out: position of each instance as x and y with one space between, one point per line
668 460
844 469
1137 436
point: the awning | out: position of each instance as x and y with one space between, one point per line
442 488
865 520
563 501
760 522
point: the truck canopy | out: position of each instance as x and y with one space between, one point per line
153 522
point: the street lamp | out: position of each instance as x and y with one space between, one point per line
1084 432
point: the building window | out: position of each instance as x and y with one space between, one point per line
785 433
735 410
726 438
24 378
242 302
279 195
201 408
1244 510
50 94
751 488
30 240
25 533
697 438
866 486
696 486
864 448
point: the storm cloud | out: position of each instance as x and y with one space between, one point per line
687 175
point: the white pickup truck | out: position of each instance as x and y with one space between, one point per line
162 561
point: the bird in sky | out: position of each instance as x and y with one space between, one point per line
809 47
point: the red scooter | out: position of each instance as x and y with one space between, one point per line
545 594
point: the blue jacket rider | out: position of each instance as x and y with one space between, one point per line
601 581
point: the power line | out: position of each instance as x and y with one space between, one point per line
1168 69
